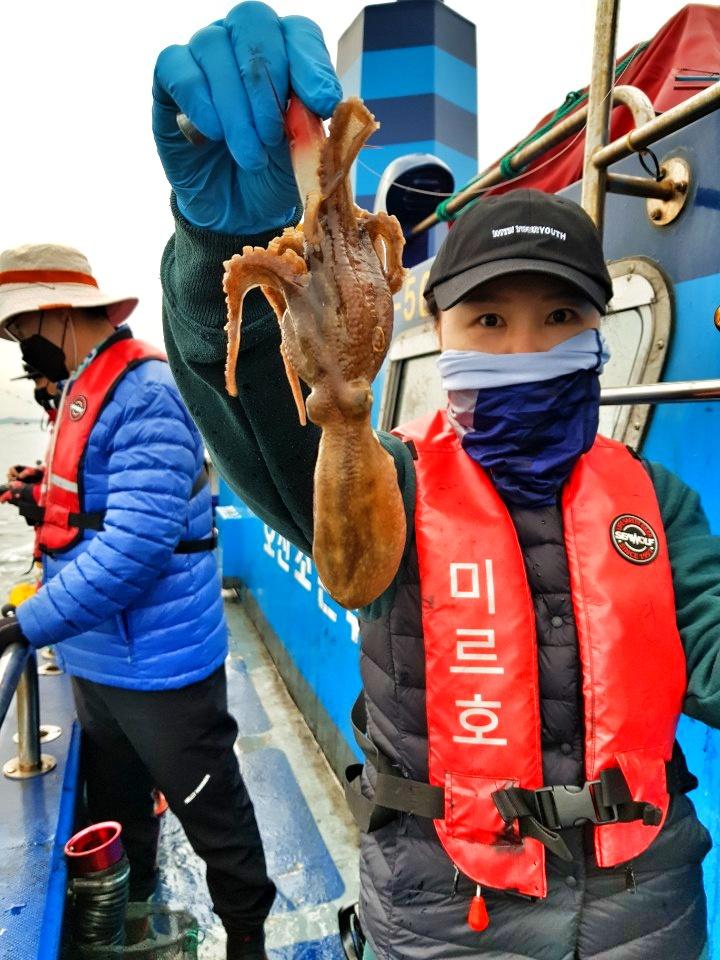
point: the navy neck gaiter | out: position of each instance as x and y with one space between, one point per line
527 418
529 436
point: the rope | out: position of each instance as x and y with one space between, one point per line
571 101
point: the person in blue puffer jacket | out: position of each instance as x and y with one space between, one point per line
131 596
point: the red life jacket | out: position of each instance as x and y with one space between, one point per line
61 497
483 704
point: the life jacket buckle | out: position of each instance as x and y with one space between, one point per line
564 806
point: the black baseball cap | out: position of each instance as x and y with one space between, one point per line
524 231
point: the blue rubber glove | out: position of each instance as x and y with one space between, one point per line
240 181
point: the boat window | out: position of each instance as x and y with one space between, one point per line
412 387
637 328
419 390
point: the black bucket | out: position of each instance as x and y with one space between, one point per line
100 877
152 932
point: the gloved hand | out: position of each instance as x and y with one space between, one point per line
21 495
28 474
10 631
31 474
240 181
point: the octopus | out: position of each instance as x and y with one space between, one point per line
330 282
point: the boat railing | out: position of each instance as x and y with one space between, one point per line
637 102
684 391
669 186
19 679
596 180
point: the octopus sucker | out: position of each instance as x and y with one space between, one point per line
330 283
290 239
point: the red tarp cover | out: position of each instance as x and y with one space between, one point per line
688 44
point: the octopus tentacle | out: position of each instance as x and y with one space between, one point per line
351 125
311 215
291 238
387 238
256 267
294 381
278 303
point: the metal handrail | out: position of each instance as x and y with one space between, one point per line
18 676
674 119
599 104
637 102
12 665
686 391
648 129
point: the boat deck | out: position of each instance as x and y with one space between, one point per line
36 818
310 840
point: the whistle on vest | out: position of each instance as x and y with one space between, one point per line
478 918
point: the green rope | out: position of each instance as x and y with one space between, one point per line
441 211
193 938
571 101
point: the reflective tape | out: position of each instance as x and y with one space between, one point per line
64 484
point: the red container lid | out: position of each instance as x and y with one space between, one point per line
94 848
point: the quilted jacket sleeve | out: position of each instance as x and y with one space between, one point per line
152 464
695 560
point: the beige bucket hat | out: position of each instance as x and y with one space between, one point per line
41 276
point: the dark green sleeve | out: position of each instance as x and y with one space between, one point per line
255 440
695 561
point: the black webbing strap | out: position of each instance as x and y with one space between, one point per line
31 512
616 793
541 814
35 514
87 521
544 813
196 546
209 543
93 520
679 778
516 804
392 793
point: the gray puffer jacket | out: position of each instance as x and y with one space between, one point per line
652 909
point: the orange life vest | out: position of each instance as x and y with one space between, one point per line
483 705
61 498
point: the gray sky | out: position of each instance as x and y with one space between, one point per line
78 164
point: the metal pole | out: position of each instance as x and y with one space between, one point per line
599 106
18 671
678 392
12 664
635 100
28 718
664 124
664 189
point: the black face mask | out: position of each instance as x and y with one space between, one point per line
45 356
44 399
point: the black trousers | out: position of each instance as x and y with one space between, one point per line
180 741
